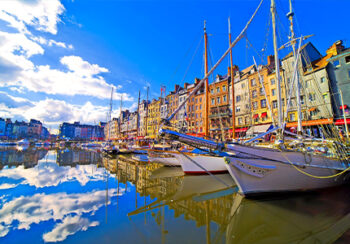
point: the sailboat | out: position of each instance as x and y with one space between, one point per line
258 170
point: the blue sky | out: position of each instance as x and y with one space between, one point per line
59 59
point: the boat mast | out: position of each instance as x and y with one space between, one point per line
277 71
120 115
206 81
110 115
293 42
138 116
146 112
232 84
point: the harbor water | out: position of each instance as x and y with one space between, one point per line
80 196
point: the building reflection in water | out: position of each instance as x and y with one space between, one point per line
319 217
27 158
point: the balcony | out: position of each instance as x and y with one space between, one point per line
220 114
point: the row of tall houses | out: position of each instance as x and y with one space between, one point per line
77 131
20 129
323 80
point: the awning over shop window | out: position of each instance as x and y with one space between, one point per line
311 122
341 121
345 107
257 129
238 130
263 115
255 116
312 109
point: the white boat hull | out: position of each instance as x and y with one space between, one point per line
258 176
201 164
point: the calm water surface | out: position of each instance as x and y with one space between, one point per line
76 196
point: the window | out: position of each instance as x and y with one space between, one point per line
212 91
196 108
217 89
307 83
254 93
238 109
349 73
292 117
240 121
218 100
196 101
243 85
311 97
224 99
200 107
224 88
212 101
274 104
253 82
192 99
255 105
200 99
302 100
238 98
323 79
273 81
261 90
325 96
347 59
336 63
263 103
273 92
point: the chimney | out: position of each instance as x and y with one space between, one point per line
228 71
336 48
176 87
186 85
271 60
196 80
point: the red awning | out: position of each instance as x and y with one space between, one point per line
255 116
312 109
345 107
196 134
341 121
263 115
311 122
237 130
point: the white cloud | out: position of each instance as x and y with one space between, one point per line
7 186
24 211
17 48
69 226
51 174
43 15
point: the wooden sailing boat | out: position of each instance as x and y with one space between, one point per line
258 170
199 163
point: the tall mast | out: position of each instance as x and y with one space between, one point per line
293 42
138 116
120 115
232 84
206 81
110 115
146 125
277 71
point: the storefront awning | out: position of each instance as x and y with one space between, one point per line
345 107
255 116
238 130
311 122
257 129
341 121
312 109
263 115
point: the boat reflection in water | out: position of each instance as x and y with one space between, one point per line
322 217
79 196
